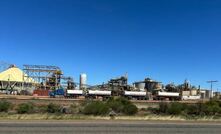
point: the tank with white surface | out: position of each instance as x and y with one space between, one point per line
191 97
140 86
78 92
168 94
83 81
193 92
74 93
134 93
99 93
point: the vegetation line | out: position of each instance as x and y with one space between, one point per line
113 108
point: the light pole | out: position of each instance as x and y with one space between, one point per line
211 86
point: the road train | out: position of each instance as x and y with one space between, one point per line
137 95
142 90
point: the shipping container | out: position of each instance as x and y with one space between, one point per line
41 92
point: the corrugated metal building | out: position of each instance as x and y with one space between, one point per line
12 80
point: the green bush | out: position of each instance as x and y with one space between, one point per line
41 109
118 105
53 108
5 106
123 100
75 109
25 108
130 109
122 105
163 107
175 108
152 110
192 109
212 107
219 103
96 108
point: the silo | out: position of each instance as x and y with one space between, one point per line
139 85
83 81
152 85
193 92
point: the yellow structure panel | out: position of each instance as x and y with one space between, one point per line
14 74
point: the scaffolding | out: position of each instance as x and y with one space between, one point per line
68 82
45 77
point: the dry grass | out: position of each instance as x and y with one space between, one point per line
5 116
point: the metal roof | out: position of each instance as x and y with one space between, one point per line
16 75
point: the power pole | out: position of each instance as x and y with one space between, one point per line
211 86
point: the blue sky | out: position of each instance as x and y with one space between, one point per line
167 40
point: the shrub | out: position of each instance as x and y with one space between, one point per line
152 110
96 108
53 108
163 107
175 108
122 105
25 108
4 106
192 109
75 109
41 109
116 106
123 100
219 103
130 109
212 107
119 105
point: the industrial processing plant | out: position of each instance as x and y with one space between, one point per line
49 81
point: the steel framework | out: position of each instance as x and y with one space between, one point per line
47 77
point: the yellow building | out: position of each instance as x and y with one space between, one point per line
12 79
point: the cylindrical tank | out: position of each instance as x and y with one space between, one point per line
152 85
193 92
140 86
83 81
159 86
186 93
99 92
134 93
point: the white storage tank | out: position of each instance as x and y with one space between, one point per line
139 85
191 97
185 93
134 93
193 92
168 94
83 81
75 92
99 93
